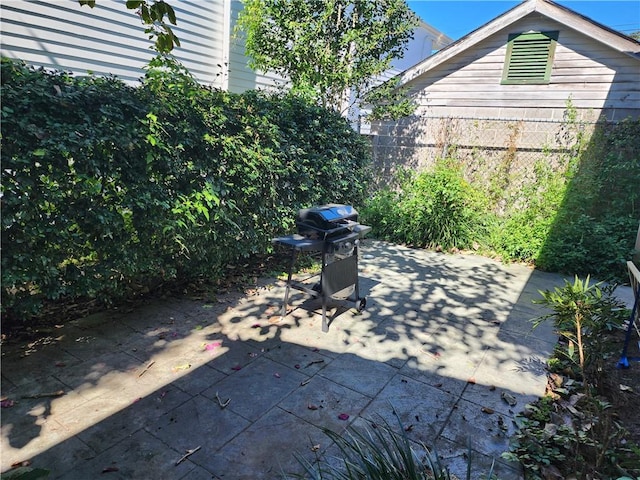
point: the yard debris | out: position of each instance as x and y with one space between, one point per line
501 424
487 410
304 382
315 448
6 403
220 402
110 469
144 370
626 388
343 416
187 454
57 393
184 366
510 399
311 406
313 363
212 345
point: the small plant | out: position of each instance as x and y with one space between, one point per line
573 430
582 312
380 453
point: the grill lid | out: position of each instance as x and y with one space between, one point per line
331 218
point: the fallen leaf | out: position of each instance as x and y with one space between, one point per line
501 424
7 403
60 364
343 416
408 428
297 366
212 346
625 388
184 366
487 410
311 406
236 368
23 463
110 469
255 325
510 399
315 448
277 375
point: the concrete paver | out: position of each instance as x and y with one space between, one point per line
442 338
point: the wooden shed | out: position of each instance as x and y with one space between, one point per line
511 84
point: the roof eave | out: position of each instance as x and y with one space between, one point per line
567 17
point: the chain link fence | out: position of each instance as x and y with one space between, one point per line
503 153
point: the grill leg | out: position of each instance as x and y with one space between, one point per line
325 324
294 254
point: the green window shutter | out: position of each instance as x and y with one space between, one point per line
529 58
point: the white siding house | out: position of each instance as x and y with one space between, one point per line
110 39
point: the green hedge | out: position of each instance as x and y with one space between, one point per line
109 188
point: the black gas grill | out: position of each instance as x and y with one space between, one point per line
334 233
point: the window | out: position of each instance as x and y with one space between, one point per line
529 58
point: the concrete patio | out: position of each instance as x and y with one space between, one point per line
442 338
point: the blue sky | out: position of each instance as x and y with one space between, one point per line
456 18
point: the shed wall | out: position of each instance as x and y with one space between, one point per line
462 104
596 79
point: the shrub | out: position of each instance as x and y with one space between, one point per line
381 453
434 208
595 226
108 189
574 430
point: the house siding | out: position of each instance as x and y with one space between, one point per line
595 78
241 77
109 39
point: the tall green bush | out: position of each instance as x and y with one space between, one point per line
434 208
595 226
107 188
